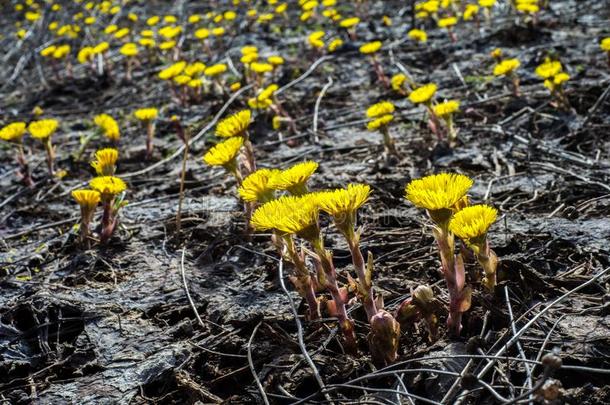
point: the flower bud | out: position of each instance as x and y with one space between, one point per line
384 338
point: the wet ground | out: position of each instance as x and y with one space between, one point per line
160 317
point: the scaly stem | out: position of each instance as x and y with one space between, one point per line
489 262
366 286
50 156
388 142
150 132
108 220
26 177
345 323
302 280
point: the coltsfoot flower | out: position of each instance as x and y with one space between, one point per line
109 126
445 111
343 203
289 214
147 117
418 35
105 161
255 187
423 94
234 125
506 67
370 47
13 132
471 224
224 154
294 179
88 201
379 109
43 130
438 193
108 186
146 114
548 68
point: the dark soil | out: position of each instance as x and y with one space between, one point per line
113 324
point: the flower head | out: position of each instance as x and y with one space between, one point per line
548 69
418 35
370 47
379 122
105 161
215 70
506 67
108 186
605 44
13 132
315 39
108 125
423 94
255 186
288 214
261 67
397 81
172 71
379 109
43 129
447 22
349 22
471 223
146 114
224 153
438 193
294 178
234 125
556 81
129 49
344 200
87 199
446 108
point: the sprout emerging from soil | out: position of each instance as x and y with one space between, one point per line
147 117
439 194
43 131
554 78
425 95
88 201
381 117
445 111
471 225
225 154
110 188
421 305
298 215
371 49
13 133
507 68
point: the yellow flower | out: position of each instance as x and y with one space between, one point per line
101 47
261 67
335 44
275 60
315 39
528 8
397 81
215 70
87 199
470 11
146 114
13 132
234 125
182 79
548 69
288 214
349 22
496 53
224 153
556 81
267 92
487 3
447 22
418 35
105 161
235 86
129 49
471 223
423 94
345 201
43 129
249 58
172 71
248 49
85 54
379 109
259 104
379 122
108 125
605 44
294 178
218 31
202 33
164 46
370 47
255 186
438 191
108 186
152 20
506 67
446 108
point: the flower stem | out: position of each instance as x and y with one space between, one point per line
24 167
150 132
366 287
50 155
108 222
